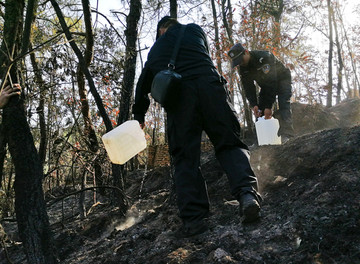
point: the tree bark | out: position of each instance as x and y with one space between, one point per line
173 8
89 130
277 25
340 59
227 25
330 59
32 219
228 28
3 151
41 108
127 85
217 42
275 9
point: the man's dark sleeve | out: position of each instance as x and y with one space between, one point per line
267 94
266 98
250 89
142 101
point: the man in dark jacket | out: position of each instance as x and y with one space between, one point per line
202 104
273 78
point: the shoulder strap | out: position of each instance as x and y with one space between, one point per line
176 48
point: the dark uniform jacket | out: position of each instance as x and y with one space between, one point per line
193 60
268 72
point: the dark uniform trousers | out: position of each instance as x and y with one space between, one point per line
203 105
284 94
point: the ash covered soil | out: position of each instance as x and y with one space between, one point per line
310 212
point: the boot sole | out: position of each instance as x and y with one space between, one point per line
251 213
194 233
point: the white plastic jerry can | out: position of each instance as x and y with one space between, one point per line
124 142
266 131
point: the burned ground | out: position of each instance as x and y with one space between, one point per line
310 212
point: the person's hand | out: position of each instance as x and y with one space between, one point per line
9 92
267 113
257 111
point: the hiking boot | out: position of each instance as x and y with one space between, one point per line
249 208
191 229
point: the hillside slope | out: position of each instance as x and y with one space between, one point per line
310 213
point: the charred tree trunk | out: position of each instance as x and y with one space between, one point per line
32 219
127 86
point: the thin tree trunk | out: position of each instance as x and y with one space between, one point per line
217 42
228 27
3 144
254 13
41 108
331 45
353 63
120 198
173 8
340 59
89 130
82 64
277 13
82 206
127 85
229 33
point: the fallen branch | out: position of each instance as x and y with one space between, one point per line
83 190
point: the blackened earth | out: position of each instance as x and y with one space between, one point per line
310 212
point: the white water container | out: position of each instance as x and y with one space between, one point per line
266 131
124 142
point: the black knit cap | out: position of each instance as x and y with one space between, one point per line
236 54
161 23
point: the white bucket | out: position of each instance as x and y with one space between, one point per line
124 142
266 131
